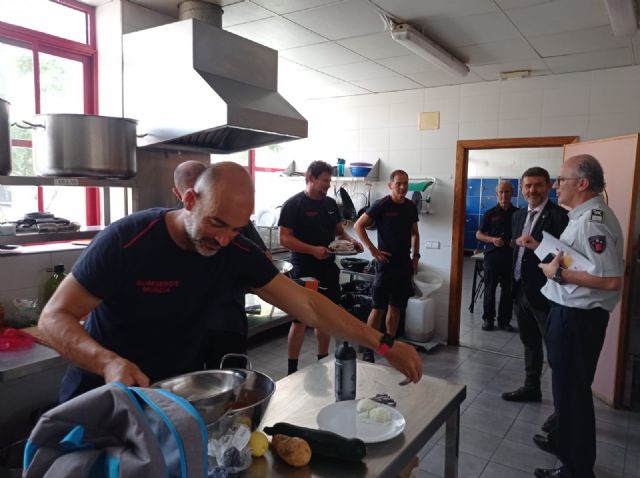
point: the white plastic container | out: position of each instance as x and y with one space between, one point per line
420 315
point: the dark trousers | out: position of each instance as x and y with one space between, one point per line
498 270
532 323
574 340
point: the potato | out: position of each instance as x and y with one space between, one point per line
294 451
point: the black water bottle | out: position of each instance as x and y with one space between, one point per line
345 372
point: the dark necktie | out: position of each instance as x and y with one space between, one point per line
517 273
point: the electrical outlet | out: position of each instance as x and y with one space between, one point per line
432 245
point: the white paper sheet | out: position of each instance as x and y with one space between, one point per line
572 259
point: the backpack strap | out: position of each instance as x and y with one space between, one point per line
180 431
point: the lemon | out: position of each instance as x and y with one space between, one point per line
259 443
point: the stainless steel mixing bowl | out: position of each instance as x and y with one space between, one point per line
252 402
211 392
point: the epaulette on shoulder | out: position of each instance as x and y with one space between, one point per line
597 215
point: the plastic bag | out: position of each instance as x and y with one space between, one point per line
230 450
14 339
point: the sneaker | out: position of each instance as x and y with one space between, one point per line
367 356
507 328
487 325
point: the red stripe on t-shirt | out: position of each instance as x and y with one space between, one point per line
141 233
239 246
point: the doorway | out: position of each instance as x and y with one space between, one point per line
464 148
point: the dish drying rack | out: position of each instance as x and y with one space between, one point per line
270 235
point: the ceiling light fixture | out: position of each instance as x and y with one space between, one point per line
426 48
623 17
512 75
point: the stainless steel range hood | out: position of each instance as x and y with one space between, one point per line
195 87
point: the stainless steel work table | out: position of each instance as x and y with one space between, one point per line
426 406
20 363
29 381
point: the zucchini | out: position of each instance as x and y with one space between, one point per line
322 442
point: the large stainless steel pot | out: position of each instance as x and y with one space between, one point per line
5 141
85 145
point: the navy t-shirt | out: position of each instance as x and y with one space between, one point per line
496 222
313 221
155 295
394 223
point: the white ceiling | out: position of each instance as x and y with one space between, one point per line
340 47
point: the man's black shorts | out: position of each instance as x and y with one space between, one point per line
393 285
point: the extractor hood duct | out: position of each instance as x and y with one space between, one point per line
195 87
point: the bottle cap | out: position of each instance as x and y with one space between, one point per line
346 352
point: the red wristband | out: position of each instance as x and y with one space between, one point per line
386 342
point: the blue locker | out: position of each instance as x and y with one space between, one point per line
489 186
471 222
474 187
473 205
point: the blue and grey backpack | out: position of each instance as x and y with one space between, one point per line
119 432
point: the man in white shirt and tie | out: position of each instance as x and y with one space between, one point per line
531 306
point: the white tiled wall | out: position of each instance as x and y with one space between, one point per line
23 276
591 105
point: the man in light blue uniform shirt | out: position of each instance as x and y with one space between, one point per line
578 318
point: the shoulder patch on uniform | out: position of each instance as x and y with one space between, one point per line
597 215
598 244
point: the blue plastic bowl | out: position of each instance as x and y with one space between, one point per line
359 171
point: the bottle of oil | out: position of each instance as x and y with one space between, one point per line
53 282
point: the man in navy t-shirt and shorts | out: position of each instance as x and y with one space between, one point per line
396 219
309 222
147 281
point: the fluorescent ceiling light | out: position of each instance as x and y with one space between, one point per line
426 48
510 75
623 17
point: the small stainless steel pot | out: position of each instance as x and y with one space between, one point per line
85 145
5 139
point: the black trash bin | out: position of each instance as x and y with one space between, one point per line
358 305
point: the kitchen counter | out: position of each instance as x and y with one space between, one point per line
29 381
426 406
20 363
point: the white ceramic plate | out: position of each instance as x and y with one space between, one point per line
345 253
266 218
343 419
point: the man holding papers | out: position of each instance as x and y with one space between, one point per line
579 313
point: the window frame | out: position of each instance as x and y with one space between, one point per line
87 54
